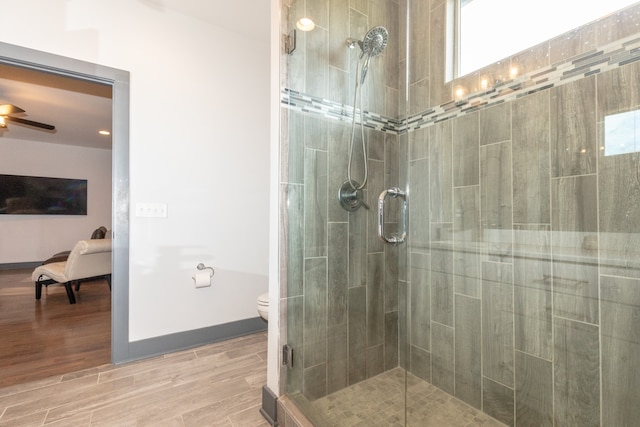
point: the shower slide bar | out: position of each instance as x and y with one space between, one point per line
395 239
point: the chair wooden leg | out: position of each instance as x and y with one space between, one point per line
78 285
108 277
69 289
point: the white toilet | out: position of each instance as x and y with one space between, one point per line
263 306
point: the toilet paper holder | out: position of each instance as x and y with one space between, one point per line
201 267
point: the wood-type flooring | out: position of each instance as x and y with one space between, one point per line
50 336
218 384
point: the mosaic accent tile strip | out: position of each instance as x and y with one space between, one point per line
311 104
617 54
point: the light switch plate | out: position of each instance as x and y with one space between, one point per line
151 210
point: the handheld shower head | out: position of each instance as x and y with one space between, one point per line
375 41
372 45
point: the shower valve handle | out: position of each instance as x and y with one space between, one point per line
350 196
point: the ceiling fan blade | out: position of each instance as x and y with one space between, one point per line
7 109
30 123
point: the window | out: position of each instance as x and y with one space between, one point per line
490 30
622 133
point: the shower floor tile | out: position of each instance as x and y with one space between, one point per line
379 401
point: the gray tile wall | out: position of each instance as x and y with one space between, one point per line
534 241
528 293
538 288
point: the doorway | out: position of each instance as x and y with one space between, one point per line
119 81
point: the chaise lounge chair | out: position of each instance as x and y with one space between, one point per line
89 259
98 233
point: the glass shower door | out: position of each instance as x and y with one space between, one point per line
339 280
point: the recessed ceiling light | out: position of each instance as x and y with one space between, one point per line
305 24
104 132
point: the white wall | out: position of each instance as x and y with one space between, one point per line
273 352
28 238
199 142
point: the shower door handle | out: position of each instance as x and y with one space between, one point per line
394 192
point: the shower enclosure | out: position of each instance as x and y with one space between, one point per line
515 298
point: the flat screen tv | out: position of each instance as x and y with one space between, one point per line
37 195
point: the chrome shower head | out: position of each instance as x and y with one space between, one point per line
375 41
372 45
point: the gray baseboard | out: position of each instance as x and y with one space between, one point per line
183 340
269 409
20 265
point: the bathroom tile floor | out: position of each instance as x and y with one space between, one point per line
214 385
379 401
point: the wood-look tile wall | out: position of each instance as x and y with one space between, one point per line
540 310
532 234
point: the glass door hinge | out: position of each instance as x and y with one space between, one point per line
290 42
287 356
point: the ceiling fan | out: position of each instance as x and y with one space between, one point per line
6 111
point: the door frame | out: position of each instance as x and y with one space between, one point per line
119 81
